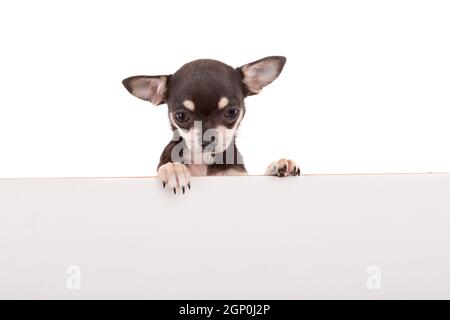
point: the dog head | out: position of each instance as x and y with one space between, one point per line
206 98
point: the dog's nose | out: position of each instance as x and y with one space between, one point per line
206 143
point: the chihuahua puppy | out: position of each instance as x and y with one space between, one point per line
205 99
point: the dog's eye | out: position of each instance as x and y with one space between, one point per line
182 116
231 114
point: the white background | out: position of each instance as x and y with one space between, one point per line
365 88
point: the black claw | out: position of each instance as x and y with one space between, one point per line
189 186
164 184
183 189
174 191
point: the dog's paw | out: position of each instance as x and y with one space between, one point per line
283 168
175 176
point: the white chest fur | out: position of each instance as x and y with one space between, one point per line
197 169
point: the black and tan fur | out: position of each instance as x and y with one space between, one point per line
209 93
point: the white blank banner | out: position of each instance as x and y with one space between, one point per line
317 236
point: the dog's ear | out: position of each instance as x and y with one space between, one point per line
149 88
260 73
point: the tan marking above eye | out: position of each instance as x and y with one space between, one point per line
188 104
223 102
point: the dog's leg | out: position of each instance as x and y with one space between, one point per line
175 176
283 168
